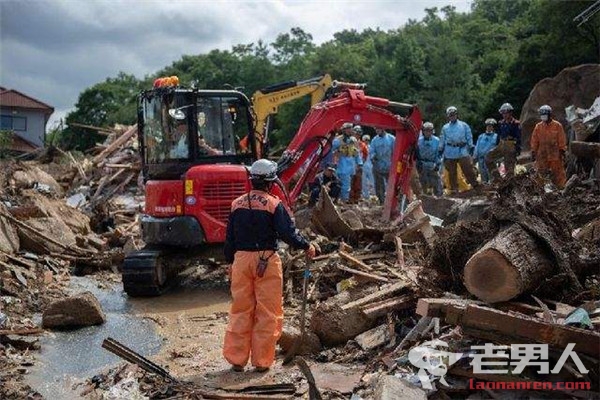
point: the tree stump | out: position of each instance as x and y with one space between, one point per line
508 265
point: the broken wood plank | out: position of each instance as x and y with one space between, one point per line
381 308
121 140
363 274
23 331
378 295
354 261
491 324
372 256
399 252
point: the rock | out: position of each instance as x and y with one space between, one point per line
391 388
9 237
51 227
79 310
310 345
28 176
373 338
576 86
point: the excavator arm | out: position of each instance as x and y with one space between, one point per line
298 164
266 102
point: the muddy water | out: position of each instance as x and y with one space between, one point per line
71 356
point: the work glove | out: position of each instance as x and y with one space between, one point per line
533 156
311 252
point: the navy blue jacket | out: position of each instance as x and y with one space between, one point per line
256 222
510 130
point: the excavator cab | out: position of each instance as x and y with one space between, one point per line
193 169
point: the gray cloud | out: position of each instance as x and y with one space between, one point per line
53 50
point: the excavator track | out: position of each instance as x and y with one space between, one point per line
147 272
144 272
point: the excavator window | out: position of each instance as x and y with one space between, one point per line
165 137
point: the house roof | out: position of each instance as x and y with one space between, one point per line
16 99
21 145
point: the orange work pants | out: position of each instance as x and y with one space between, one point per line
556 169
256 314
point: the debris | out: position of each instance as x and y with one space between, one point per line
488 323
392 388
20 342
310 344
579 318
313 393
373 338
76 311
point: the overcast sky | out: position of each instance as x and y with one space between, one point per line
53 50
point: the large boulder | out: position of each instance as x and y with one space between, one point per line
79 310
577 86
9 237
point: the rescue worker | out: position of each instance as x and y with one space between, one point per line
549 147
455 144
356 187
257 220
429 160
347 158
508 143
328 179
368 183
380 152
485 143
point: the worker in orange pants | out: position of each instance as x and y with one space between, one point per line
256 221
549 146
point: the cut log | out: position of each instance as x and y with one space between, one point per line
585 149
510 264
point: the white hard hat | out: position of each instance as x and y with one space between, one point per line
427 125
263 169
365 138
505 107
357 129
490 121
451 111
347 125
545 110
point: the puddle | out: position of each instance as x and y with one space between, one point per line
67 357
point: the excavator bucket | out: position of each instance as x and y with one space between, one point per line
328 220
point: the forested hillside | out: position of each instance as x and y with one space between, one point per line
475 61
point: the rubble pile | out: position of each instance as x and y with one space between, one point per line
81 222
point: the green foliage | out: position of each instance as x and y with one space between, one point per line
5 141
475 61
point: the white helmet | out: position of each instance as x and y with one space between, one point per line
427 126
490 121
451 111
347 125
506 107
545 110
264 169
357 129
366 138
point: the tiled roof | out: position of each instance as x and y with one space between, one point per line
14 98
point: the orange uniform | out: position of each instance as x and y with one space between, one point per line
549 142
256 222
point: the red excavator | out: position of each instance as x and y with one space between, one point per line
193 167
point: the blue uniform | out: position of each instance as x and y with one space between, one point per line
348 157
456 140
485 142
428 163
380 153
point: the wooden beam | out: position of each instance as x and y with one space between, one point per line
121 140
378 295
354 261
381 308
492 324
364 274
